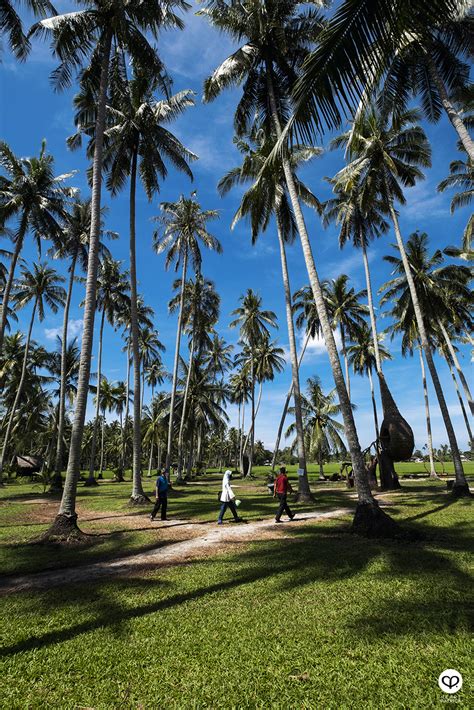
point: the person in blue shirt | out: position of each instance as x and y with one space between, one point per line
161 493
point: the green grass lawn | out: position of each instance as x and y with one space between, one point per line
318 619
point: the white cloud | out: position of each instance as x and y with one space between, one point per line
317 346
74 329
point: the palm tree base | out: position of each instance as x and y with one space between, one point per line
461 490
371 521
90 482
140 499
118 477
64 530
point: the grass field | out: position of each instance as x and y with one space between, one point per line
317 618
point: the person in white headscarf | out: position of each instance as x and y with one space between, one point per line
227 499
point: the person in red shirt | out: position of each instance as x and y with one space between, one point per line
282 488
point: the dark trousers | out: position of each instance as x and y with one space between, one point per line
232 507
283 507
162 502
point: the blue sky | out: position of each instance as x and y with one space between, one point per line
32 111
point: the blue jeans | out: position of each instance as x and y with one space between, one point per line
224 507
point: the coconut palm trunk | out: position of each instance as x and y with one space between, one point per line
176 361
127 409
138 496
369 518
252 424
11 276
65 521
19 391
150 458
460 487
242 434
374 405
433 473
304 493
461 403
91 479
346 363
119 473
452 114
457 365
287 404
57 483
183 413
101 465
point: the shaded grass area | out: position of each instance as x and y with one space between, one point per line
321 619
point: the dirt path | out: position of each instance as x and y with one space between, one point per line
212 540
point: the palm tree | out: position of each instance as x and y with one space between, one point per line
150 347
277 36
112 287
108 395
347 312
71 245
322 431
200 314
89 34
137 143
154 428
35 199
11 24
240 389
462 178
361 355
444 351
122 394
218 356
252 322
41 287
268 196
386 154
183 225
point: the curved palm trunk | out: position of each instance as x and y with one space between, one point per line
457 365
250 434
460 487
370 303
176 361
57 483
452 114
369 518
346 362
428 417
65 522
183 413
461 403
19 391
287 404
304 493
11 276
374 405
91 479
138 496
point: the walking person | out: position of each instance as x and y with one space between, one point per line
282 488
227 499
161 493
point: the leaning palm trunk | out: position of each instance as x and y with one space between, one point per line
9 283
176 361
138 496
183 413
304 493
19 391
433 473
65 522
460 487
457 365
91 480
453 115
461 403
286 405
369 518
252 426
374 405
57 483
346 362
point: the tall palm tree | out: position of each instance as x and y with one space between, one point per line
41 287
462 177
112 287
322 431
11 24
35 199
108 395
183 225
274 38
361 355
444 351
253 324
267 196
137 144
200 314
71 245
240 388
218 356
78 38
150 347
387 153
347 312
